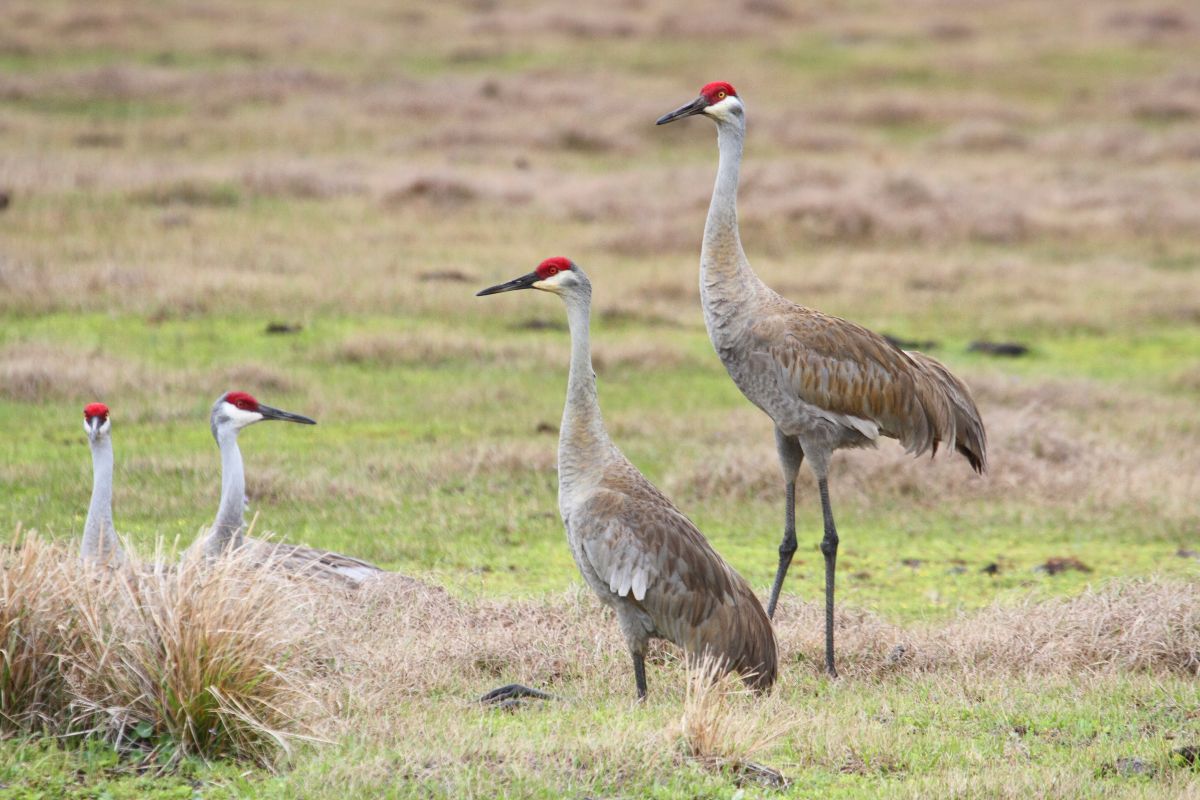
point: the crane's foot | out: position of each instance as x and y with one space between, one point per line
509 697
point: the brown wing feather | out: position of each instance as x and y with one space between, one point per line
844 368
314 562
651 554
970 438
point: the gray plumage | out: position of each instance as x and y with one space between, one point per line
230 413
100 543
825 382
639 553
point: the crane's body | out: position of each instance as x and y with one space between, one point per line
232 412
825 382
100 544
640 554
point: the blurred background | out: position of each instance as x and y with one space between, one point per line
300 200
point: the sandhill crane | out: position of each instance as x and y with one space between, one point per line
100 544
232 412
825 382
644 558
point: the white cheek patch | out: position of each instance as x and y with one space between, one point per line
724 108
241 417
554 282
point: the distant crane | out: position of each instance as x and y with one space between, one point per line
644 558
232 412
827 383
100 543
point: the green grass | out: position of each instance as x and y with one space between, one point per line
143 274
861 740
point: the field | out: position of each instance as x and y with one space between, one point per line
301 201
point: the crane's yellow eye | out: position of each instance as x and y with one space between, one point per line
720 95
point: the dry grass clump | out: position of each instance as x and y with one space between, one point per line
303 183
188 192
722 726
35 373
1143 625
431 348
982 136
436 190
641 355
206 657
1171 99
37 625
203 659
258 376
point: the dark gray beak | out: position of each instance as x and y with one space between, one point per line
286 416
695 107
523 282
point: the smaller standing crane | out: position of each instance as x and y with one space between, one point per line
100 543
641 556
232 412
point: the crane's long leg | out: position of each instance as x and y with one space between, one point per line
639 674
791 455
829 546
787 548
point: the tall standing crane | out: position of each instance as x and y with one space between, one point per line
230 413
641 556
826 383
100 543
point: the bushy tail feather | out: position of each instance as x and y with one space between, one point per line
970 438
758 658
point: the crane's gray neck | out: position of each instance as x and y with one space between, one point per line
99 537
231 518
583 443
724 270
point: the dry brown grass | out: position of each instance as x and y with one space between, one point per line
433 642
212 658
37 627
432 347
1050 442
40 373
722 727
1146 625
36 373
204 659
230 659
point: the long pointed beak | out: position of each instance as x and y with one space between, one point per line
93 424
286 416
523 282
695 107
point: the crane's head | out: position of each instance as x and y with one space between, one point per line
95 421
718 100
559 275
235 410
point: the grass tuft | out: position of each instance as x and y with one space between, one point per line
37 625
205 659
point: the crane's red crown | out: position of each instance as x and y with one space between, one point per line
95 410
242 400
717 91
552 266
